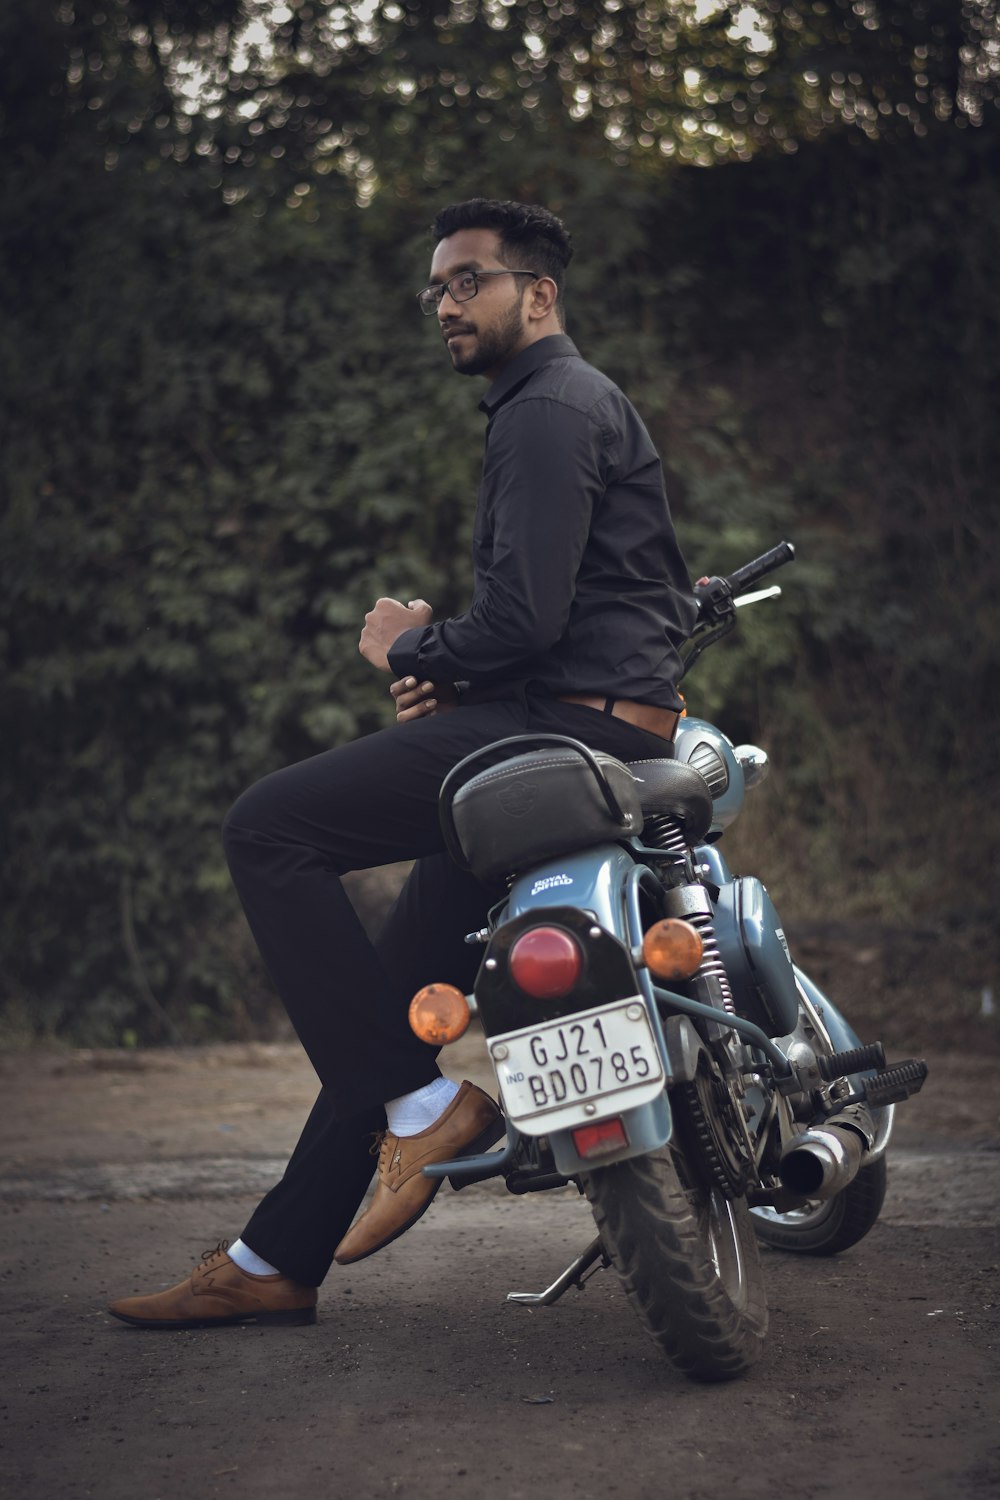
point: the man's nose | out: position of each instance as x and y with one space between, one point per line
447 313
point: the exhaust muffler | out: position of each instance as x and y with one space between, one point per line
822 1161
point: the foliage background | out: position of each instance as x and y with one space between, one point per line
224 431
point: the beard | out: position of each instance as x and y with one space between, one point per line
492 349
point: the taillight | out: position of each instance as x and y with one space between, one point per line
545 962
600 1139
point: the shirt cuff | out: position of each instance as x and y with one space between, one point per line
404 656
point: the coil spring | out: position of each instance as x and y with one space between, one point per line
660 831
711 968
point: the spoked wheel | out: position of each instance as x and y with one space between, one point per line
688 1259
827 1228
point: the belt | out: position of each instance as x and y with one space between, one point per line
661 721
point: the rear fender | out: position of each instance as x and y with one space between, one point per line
594 880
648 1128
601 881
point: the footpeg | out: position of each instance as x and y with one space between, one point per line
856 1060
896 1083
467 1169
574 1275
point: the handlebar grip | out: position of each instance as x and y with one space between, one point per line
748 575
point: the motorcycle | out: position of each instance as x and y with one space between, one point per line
653 1040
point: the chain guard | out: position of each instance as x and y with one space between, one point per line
711 1131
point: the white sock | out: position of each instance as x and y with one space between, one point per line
412 1113
248 1260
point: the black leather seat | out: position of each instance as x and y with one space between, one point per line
675 790
535 806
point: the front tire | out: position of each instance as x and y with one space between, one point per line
827 1228
688 1259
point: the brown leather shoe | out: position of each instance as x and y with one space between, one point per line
471 1123
218 1292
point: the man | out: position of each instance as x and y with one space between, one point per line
580 602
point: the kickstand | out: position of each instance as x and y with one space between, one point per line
574 1275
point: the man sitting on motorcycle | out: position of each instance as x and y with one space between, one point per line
580 602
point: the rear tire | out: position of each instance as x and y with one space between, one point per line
827 1228
688 1259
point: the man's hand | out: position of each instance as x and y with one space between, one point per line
417 700
385 623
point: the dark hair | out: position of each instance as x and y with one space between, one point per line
531 238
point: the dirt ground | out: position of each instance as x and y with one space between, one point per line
117 1170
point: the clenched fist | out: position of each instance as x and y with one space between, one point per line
385 623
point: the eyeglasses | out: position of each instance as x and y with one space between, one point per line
460 288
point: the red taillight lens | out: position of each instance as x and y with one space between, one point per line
545 963
600 1139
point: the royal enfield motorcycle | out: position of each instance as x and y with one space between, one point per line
654 1042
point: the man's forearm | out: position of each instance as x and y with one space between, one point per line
471 646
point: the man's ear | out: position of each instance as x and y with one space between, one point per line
542 297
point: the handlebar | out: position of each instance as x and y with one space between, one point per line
716 609
745 577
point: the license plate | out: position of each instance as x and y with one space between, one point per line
557 1073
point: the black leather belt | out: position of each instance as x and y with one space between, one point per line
661 721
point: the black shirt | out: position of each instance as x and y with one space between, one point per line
579 584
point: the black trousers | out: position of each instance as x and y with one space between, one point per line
288 840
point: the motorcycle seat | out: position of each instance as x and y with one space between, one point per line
534 806
670 788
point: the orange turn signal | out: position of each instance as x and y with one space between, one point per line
672 949
439 1013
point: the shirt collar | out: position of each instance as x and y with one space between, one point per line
513 375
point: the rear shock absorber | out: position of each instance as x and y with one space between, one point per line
711 982
661 831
